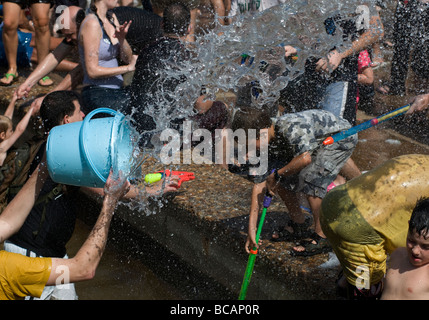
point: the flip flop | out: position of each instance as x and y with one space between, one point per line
46 78
7 75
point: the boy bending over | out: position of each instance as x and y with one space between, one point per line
300 164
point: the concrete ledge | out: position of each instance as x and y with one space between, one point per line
206 224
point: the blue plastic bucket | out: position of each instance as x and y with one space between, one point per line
82 153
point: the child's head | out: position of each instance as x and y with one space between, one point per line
6 128
251 118
418 234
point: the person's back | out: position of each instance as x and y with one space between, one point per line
150 77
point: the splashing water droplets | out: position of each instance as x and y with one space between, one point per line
215 57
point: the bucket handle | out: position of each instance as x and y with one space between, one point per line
82 134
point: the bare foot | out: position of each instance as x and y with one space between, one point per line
46 82
10 77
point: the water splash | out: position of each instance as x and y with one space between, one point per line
216 56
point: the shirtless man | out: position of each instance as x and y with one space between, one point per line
408 270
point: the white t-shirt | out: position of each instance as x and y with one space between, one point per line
243 6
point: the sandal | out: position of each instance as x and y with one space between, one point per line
7 75
321 245
42 82
300 230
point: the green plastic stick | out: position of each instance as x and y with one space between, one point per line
254 251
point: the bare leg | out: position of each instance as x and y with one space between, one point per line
296 215
315 204
40 13
11 13
291 201
350 170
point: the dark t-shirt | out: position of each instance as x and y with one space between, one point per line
50 226
144 29
151 83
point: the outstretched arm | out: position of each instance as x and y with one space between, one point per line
165 185
47 65
5 145
84 264
69 82
11 107
256 200
374 33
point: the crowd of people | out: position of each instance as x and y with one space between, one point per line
116 43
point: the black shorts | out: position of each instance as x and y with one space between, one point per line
27 3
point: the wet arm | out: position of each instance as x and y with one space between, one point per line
293 167
135 192
219 9
84 264
11 107
90 39
366 77
374 33
51 61
256 201
365 40
126 53
19 130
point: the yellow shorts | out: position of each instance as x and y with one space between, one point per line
367 218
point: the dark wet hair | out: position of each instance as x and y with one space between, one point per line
80 16
176 19
56 105
251 118
419 221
